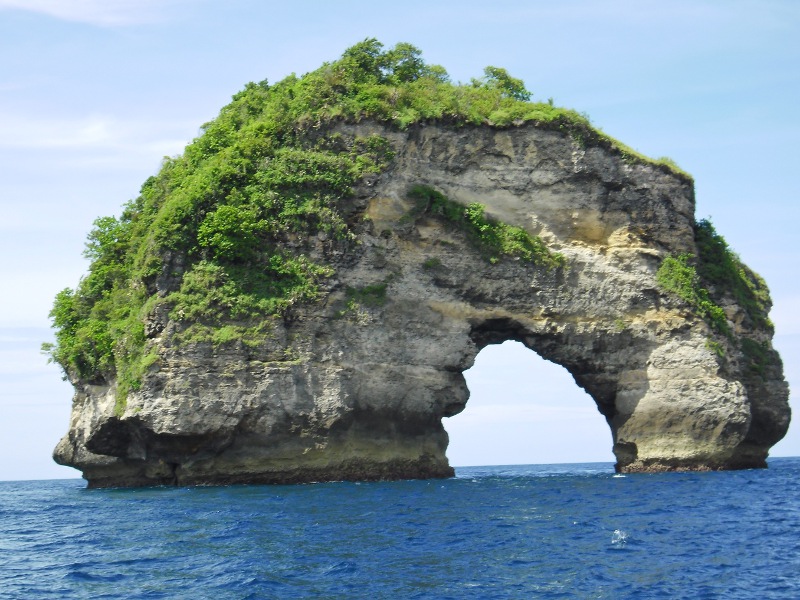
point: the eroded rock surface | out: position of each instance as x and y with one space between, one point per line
356 386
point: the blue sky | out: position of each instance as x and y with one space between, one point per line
93 93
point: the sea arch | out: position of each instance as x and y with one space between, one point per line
523 409
595 363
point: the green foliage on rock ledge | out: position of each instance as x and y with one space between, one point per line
706 280
493 238
677 275
219 237
722 270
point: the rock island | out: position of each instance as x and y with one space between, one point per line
295 297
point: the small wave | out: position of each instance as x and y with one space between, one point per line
86 576
339 568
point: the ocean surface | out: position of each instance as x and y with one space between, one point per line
557 531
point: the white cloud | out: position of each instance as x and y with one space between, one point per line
520 435
92 131
96 131
96 143
104 13
533 413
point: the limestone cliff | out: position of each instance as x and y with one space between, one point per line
354 383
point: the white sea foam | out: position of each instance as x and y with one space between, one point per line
619 538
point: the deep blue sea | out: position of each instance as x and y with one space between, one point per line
557 531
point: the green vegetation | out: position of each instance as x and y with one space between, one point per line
431 263
705 280
219 237
361 298
758 356
678 276
716 347
499 79
371 296
493 238
717 272
722 270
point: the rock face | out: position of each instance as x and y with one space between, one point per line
356 385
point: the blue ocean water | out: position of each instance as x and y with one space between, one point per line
558 531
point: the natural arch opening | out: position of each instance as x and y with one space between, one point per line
524 409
